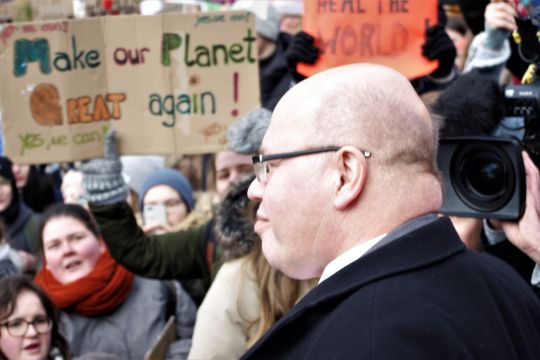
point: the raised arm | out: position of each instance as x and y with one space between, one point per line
178 255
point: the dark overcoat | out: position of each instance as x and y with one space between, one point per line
421 295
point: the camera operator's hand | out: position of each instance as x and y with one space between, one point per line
500 21
102 178
525 233
439 46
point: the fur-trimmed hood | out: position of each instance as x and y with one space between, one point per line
235 216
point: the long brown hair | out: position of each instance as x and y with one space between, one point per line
277 294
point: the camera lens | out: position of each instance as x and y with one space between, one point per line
483 176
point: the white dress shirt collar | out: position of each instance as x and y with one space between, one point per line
348 257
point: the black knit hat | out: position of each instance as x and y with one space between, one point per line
5 169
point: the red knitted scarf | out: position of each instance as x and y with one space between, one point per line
103 290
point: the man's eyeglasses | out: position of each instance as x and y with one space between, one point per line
18 327
260 162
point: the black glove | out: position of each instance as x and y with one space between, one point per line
301 49
439 46
102 178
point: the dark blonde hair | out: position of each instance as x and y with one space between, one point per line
10 288
277 294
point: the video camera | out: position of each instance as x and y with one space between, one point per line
484 176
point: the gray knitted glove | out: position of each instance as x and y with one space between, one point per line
102 178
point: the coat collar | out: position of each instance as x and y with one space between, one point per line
408 247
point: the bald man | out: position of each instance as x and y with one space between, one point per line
349 190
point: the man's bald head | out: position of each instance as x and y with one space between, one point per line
370 106
344 197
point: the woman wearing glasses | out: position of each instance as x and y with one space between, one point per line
169 190
28 323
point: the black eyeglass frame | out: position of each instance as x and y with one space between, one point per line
260 159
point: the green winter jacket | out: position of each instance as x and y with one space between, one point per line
186 255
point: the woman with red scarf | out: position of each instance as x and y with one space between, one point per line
106 308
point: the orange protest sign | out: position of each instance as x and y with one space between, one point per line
387 32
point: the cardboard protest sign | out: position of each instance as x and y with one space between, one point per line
169 84
387 32
15 10
51 9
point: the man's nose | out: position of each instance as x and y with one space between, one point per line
255 190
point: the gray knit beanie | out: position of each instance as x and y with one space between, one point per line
245 135
266 16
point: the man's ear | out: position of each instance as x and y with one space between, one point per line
352 168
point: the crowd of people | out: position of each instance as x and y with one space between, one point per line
317 234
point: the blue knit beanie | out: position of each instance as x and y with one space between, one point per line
172 178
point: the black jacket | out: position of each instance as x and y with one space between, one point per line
421 296
274 75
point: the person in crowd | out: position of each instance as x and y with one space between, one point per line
490 49
199 169
21 223
36 188
437 46
105 308
187 254
279 52
247 296
461 37
474 105
29 326
352 198
474 13
135 169
166 203
505 237
171 190
291 13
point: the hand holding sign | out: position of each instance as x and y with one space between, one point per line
386 32
167 83
301 49
102 178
